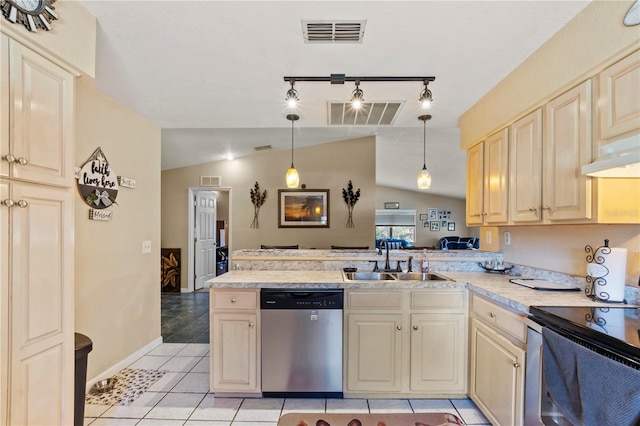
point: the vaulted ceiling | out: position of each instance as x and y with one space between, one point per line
210 73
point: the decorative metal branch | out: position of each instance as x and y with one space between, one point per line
257 199
350 198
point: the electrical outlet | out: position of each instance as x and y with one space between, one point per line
487 237
507 238
146 246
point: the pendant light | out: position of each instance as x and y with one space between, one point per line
292 179
426 97
424 177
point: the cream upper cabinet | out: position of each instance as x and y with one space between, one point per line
475 184
38 114
496 382
234 337
566 193
619 97
487 180
525 168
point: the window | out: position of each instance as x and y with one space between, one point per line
394 223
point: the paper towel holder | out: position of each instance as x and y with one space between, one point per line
597 271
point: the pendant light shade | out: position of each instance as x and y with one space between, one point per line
424 177
292 178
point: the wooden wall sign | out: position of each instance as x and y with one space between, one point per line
126 182
97 182
100 215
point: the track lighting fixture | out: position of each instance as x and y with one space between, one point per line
426 97
424 177
357 96
292 178
292 96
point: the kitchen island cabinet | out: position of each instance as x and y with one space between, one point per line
405 342
235 363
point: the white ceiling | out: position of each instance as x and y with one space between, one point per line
210 73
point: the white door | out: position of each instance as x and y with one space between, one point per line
205 238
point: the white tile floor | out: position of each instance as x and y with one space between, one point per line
181 398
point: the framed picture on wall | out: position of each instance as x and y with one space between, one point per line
443 224
434 225
451 226
425 223
423 216
432 214
303 208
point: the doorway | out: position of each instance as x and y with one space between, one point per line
206 207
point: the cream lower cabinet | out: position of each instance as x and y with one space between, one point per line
405 342
497 363
235 364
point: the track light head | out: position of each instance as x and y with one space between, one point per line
292 96
357 96
426 97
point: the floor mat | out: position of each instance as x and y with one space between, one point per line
129 384
320 419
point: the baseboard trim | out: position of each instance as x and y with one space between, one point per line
124 363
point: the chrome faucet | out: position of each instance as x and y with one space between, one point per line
387 266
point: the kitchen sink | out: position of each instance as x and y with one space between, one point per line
393 276
419 276
368 276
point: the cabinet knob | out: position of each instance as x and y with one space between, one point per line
532 209
22 204
11 159
492 315
233 300
415 327
516 365
546 207
8 202
484 213
399 327
250 324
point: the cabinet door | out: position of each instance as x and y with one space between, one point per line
438 352
567 147
475 184
374 357
525 168
619 99
496 382
42 118
4 103
41 309
234 357
496 178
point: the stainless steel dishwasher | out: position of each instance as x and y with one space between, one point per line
301 343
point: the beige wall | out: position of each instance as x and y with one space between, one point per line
421 202
328 166
117 288
595 38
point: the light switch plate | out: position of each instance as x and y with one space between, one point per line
507 238
146 246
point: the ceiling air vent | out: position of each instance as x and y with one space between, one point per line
262 148
210 181
333 32
370 114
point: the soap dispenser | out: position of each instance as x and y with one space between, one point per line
424 262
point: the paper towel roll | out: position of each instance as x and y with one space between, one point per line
612 289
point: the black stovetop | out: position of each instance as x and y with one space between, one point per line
617 327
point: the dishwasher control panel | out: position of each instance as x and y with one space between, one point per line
301 299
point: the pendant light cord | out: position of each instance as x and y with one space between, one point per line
292 144
424 144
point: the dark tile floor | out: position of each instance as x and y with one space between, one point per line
185 317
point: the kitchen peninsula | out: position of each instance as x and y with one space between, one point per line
402 338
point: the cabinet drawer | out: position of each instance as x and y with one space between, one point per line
223 299
510 322
435 299
374 299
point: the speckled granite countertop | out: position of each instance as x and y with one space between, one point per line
493 286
